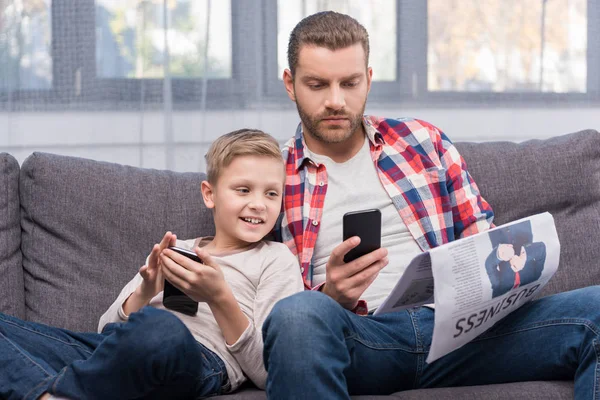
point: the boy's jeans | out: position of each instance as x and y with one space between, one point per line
152 355
315 349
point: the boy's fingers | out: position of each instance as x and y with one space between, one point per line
166 240
207 258
175 272
153 259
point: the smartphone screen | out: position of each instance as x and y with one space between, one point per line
365 224
175 299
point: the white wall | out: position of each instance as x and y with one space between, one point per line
116 136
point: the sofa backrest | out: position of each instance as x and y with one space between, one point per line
560 175
87 227
12 297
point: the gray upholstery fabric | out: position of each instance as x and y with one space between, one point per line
507 391
88 227
12 300
555 390
560 175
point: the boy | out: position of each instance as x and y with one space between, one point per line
155 352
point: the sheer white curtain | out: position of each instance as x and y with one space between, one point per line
152 82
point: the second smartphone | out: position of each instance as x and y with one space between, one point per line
365 224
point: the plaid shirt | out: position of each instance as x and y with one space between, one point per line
421 171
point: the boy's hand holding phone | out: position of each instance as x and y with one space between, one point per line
152 276
202 282
151 272
193 277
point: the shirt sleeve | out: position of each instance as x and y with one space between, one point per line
280 278
471 214
115 311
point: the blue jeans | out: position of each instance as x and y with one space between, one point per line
315 349
153 355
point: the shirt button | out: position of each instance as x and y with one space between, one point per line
321 183
315 223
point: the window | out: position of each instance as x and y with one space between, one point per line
511 52
507 46
131 39
25 39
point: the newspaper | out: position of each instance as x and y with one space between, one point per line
478 280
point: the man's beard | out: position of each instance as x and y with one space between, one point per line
325 136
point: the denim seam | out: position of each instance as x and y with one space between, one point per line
419 347
371 345
596 385
205 378
570 321
47 336
36 388
223 372
18 350
58 378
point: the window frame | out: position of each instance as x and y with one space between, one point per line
384 91
254 82
410 87
52 98
187 93
485 99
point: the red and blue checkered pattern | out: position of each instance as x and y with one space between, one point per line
420 169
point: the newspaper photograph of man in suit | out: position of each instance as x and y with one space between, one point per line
515 260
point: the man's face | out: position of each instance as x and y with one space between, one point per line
330 89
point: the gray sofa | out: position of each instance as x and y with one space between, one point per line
74 231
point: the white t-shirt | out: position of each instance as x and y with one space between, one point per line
258 277
354 185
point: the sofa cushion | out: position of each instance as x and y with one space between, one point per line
12 300
88 227
506 391
560 175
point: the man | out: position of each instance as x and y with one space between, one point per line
508 243
517 270
317 345
527 267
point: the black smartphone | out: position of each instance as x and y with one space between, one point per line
365 224
173 298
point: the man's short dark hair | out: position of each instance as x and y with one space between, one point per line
327 29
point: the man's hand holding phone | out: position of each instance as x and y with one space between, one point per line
346 282
354 264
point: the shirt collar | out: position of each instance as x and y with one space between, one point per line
302 154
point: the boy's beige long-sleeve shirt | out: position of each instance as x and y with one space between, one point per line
258 277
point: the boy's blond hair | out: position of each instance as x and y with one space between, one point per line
243 142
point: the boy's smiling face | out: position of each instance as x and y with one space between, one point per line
246 200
